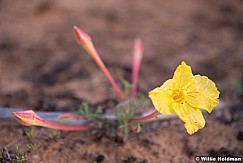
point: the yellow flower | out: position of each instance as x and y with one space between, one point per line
185 94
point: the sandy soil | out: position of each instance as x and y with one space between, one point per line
43 68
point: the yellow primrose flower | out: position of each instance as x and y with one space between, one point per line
185 94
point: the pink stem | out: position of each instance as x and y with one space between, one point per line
106 72
137 58
145 118
85 41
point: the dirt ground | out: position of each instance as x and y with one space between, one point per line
44 69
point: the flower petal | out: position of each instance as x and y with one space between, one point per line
192 117
162 100
206 96
183 76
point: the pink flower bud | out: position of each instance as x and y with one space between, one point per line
81 36
137 59
29 118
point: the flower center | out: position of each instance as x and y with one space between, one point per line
178 95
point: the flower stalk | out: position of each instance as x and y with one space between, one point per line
145 118
86 42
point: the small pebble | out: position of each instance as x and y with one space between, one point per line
100 159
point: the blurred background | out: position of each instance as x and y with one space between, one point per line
43 68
